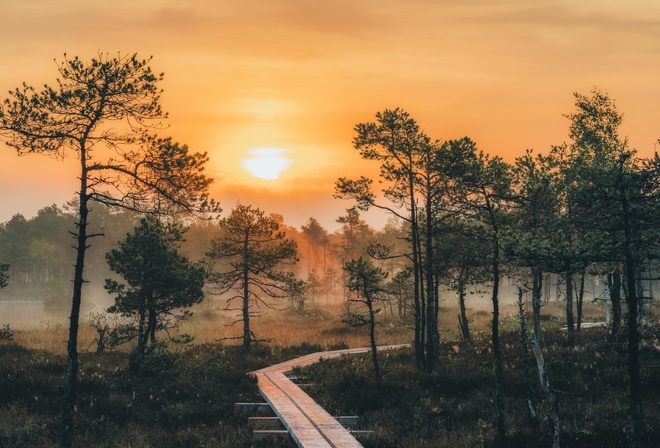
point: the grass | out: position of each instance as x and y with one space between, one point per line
185 396
453 407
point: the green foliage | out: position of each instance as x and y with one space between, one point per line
254 251
366 282
313 285
415 176
104 111
355 233
536 237
6 334
160 283
121 334
40 256
594 129
4 278
158 360
296 290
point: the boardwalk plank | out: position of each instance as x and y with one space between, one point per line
309 424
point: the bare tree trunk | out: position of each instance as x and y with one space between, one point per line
433 337
422 319
614 285
569 304
135 358
635 413
71 383
372 339
247 336
537 288
103 338
550 395
152 324
497 350
463 321
580 299
650 275
640 296
419 304
524 343
420 291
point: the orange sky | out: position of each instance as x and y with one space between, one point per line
299 74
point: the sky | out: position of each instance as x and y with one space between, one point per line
284 82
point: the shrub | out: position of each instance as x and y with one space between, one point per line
6 333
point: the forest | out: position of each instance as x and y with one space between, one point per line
525 288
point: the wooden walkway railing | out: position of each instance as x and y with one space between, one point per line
309 424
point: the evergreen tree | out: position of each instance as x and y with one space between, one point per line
366 282
253 250
413 185
105 111
483 195
161 285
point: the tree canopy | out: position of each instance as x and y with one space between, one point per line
107 112
254 251
160 284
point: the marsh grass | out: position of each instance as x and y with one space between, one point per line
318 326
185 394
183 398
453 407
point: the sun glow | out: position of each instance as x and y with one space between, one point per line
266 163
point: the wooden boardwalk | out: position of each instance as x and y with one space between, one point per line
309 424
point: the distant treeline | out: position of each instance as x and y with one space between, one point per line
40 253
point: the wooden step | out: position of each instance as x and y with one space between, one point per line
309 425
265 423
255 409
361 433
348 421
265 434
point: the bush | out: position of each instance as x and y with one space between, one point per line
6 333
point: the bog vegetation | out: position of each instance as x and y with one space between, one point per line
494 272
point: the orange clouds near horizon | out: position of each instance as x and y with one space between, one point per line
299 76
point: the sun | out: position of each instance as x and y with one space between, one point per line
266 163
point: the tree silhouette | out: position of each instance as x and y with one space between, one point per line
354 231
536 231
15 247
595 150
483 195
102 111
160 284
317 237
366 282
254 250
463 246
411 182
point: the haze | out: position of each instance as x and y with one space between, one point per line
298 76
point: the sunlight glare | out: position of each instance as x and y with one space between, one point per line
266 163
